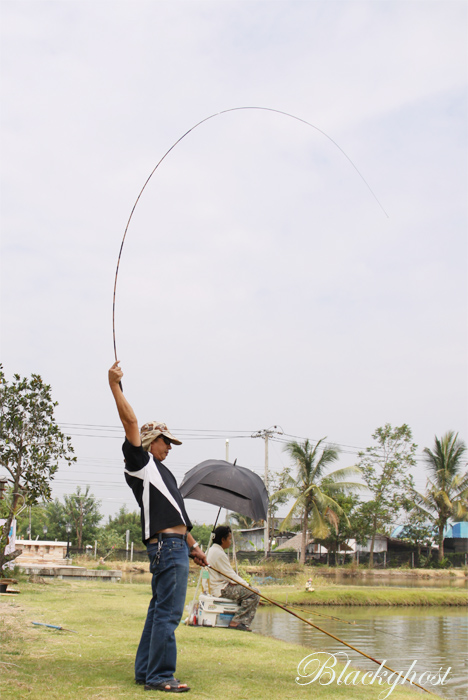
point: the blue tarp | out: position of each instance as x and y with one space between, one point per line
460 530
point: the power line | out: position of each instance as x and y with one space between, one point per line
189 434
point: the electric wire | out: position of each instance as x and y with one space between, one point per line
189 434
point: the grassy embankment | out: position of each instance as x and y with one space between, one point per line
367 596
292 589
38 662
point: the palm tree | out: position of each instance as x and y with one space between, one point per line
244 522
319 510
447 487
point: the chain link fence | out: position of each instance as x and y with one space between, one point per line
381 560
113 555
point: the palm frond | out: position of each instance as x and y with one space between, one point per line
298 503
332 518
288 491
459 511
345 486
318 526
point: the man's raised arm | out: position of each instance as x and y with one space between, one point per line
126 412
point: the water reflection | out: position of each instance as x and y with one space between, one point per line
434 637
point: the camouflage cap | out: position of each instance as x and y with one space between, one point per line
152 430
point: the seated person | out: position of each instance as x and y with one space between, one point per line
220 587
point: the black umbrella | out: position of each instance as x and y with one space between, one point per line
228 486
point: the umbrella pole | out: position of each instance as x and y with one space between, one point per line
308 622
216 522
234 556
192 604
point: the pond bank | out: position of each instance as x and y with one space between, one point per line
361 572
347 572
355 595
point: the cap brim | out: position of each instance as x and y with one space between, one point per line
171 437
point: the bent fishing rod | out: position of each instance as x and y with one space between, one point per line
212 116
308 622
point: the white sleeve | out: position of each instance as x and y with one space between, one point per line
221 562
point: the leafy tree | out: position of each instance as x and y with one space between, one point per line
31 446
50 515
57 520
244 522
37 517
202 533
82 512
345 525
123 521
278 482
319 509
386 470
447 486
417 530
109 539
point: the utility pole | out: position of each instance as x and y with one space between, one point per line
265 434
226 520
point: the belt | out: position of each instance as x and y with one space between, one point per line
165 535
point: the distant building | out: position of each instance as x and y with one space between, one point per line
42 552
295 542
456 538
380 544
252 539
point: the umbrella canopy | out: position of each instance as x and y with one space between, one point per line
228 486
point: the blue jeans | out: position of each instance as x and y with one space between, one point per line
157 652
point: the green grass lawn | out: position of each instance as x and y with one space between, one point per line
333 594
38 662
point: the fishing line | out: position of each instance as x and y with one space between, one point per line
327 617
346 622
308 622
340 619
212 116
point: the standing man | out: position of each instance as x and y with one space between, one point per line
165 527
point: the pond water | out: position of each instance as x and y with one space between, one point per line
433 637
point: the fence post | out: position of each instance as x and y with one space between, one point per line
412 560
357 557
385 560
131 552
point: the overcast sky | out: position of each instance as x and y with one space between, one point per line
261 282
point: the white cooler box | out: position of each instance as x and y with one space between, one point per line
215 612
